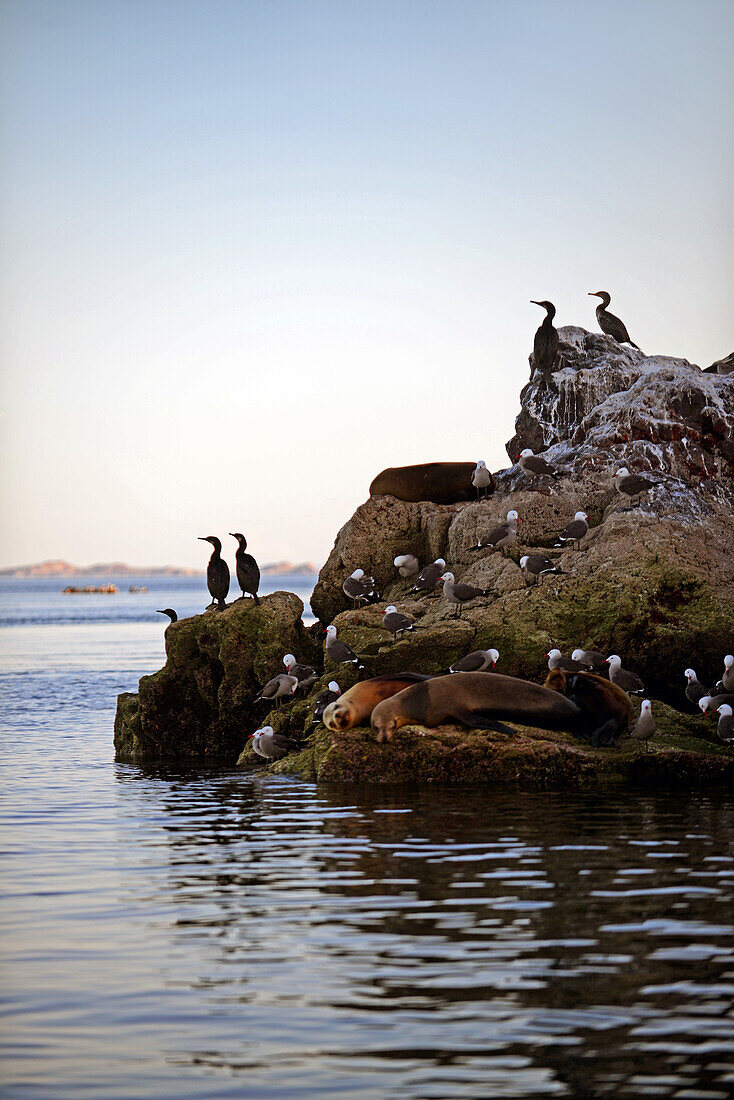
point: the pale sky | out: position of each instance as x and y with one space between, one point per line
256 252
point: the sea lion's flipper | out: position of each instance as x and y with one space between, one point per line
475 719
605 734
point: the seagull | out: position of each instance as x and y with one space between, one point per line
429 577
500 537
359 586
407 565
566 664
479 661
725 728
631 485
395 622
534 566
534 464
459 594
713 702
644 727
280 685
269 744
481 478
592 658
332 692
340 652
727 679
627 681
575 530
694 688
305 674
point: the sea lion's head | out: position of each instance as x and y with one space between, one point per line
387 717
338 716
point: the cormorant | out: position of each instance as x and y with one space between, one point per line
545 345
248 571
217 573
168 611
608 322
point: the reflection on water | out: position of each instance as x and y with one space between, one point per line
175 935
263 937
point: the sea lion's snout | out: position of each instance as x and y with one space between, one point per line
337 717
385 729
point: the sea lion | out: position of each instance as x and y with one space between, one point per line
606 710
355 706
477 700
439 482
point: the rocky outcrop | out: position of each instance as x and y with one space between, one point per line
200 705
653 580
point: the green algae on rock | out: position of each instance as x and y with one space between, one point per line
200 705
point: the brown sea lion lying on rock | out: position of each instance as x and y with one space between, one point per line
355 706
476 700
607 710
439 482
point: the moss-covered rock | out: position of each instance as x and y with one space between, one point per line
200 705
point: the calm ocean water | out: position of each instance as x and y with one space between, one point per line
177 934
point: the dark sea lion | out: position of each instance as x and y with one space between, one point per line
355 706
440 482
476 700
606 710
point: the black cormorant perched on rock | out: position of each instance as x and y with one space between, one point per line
217 573
545 345
608 322
248 571
168 611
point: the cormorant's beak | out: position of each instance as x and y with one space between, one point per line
533 302
594 294
202 538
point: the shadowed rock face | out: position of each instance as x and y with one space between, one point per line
200 705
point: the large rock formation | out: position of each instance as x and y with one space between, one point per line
653 581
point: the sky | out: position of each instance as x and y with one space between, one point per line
256 252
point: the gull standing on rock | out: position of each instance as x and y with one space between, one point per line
407 565
332 693
592 658
459 594
726 683
481 478
575 530
305 674
631 485
566 664
280 685
644 727
608 323
725 727
479 661
534 566
695 690
545 345
217 573
359 586
396 622
429 577
622 677
270 745
713 702
500 537
535 464
339 652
